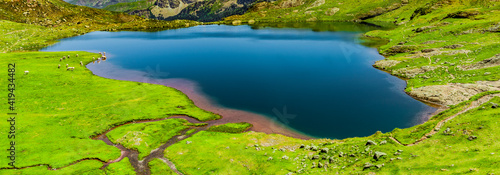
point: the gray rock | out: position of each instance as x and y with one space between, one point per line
383 142
487 73
284 157
270 158
369 142
307 147
315 157
471 138
302 146
379 155
320 165
367 165
341 154
314 148
494 105
325 150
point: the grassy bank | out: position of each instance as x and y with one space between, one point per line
59 110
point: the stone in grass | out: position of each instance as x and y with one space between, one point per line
284 157
494 105
379 155
324 150
367 166
383 142
314 148
341 154
320 165
471 138
379 166
307 147
447 131
270 158
315 157
487 73
369 142
302 146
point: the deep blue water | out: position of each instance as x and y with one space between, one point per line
324 79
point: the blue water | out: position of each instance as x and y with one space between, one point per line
325 80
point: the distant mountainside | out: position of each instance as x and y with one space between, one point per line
49 20
98 3
200 10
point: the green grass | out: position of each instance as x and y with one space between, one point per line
60 110
231 127
158 167
145 137
128 6
84 167
122 167
225 153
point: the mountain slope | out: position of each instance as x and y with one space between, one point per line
48 20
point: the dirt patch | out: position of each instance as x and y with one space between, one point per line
454 93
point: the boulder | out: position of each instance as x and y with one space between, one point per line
494 105
284 157
302 146
270 158
379 155
315 157
324 150
383 142
367 166
320 165
369 142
